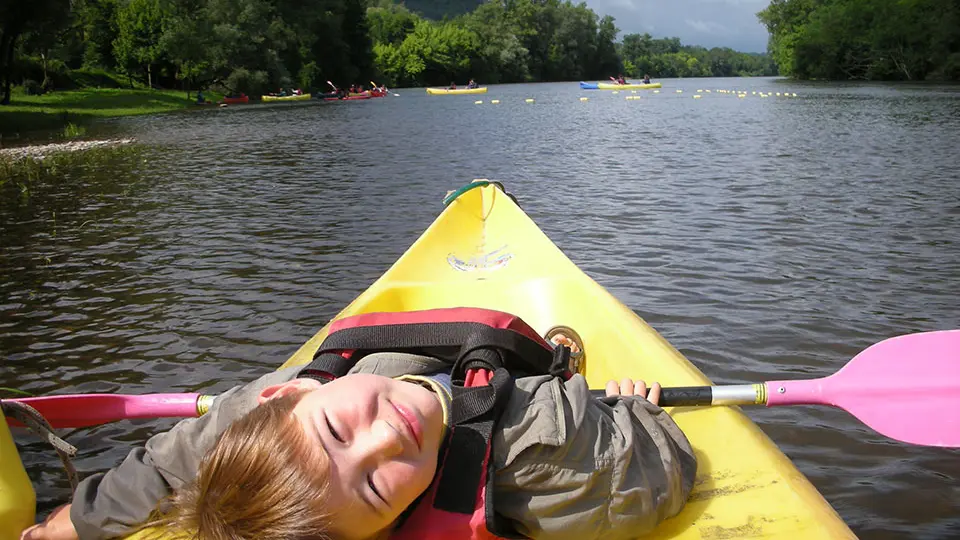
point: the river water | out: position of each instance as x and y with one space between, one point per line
765 237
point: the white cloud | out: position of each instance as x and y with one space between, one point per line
710 23
707 27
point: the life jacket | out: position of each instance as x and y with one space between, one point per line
485 350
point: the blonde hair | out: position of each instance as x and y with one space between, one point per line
261 480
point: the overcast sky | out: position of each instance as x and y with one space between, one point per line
711 23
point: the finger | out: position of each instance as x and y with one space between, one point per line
613 389
626 387
654 395
640 389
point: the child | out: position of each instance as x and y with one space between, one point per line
287 457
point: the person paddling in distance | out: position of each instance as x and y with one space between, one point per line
349 459
453 85
646 79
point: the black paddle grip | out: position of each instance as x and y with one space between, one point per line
680 396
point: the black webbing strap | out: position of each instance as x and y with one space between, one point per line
448 340
474 412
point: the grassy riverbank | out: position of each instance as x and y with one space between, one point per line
55 110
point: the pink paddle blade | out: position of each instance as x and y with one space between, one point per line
906 387
81 410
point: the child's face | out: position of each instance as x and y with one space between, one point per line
382 437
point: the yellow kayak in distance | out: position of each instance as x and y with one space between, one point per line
484 251
445 91
301 97
631 86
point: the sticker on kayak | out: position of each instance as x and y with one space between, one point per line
493 260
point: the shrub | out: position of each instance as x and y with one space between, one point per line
32 87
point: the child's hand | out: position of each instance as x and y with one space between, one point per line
628 387
57 526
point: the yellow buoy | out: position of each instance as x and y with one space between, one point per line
778 94
708 90
699 90
529 100
478 102
679 91
584 99
794 94
494 101
656 91
742 96
633 91
697 96
616 91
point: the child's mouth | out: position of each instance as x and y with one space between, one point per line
412 424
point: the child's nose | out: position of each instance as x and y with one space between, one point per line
384 441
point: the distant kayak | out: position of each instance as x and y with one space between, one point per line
351 97
631 86
442 91
301 97
588 85
235 100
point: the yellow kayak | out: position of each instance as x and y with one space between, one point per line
301 97
614 86
443 91
483 251
17 499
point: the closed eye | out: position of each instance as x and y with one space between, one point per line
373 487
333 430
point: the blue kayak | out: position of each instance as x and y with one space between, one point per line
588 85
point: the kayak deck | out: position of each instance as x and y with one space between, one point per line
630 86
298 97
483 251
444 91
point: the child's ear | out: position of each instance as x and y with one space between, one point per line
287 388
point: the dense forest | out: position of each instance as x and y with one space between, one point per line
255 46
865 39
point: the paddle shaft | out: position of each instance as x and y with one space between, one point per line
83 410
691 396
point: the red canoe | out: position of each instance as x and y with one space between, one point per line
236 100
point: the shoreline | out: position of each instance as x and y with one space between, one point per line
33 115
39 152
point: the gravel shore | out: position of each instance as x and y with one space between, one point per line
43 150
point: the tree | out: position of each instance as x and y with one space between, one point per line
139 31
18 17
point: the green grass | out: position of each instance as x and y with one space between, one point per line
54 111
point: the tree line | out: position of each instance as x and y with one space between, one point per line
255 46
865 39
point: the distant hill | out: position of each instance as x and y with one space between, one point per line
436 9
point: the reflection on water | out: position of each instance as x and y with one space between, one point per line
764 237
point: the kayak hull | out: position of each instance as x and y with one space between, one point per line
17 498
301 97
483 251
236 100
613 86
353 97
588 86
447 91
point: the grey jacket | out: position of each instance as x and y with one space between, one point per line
553 441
